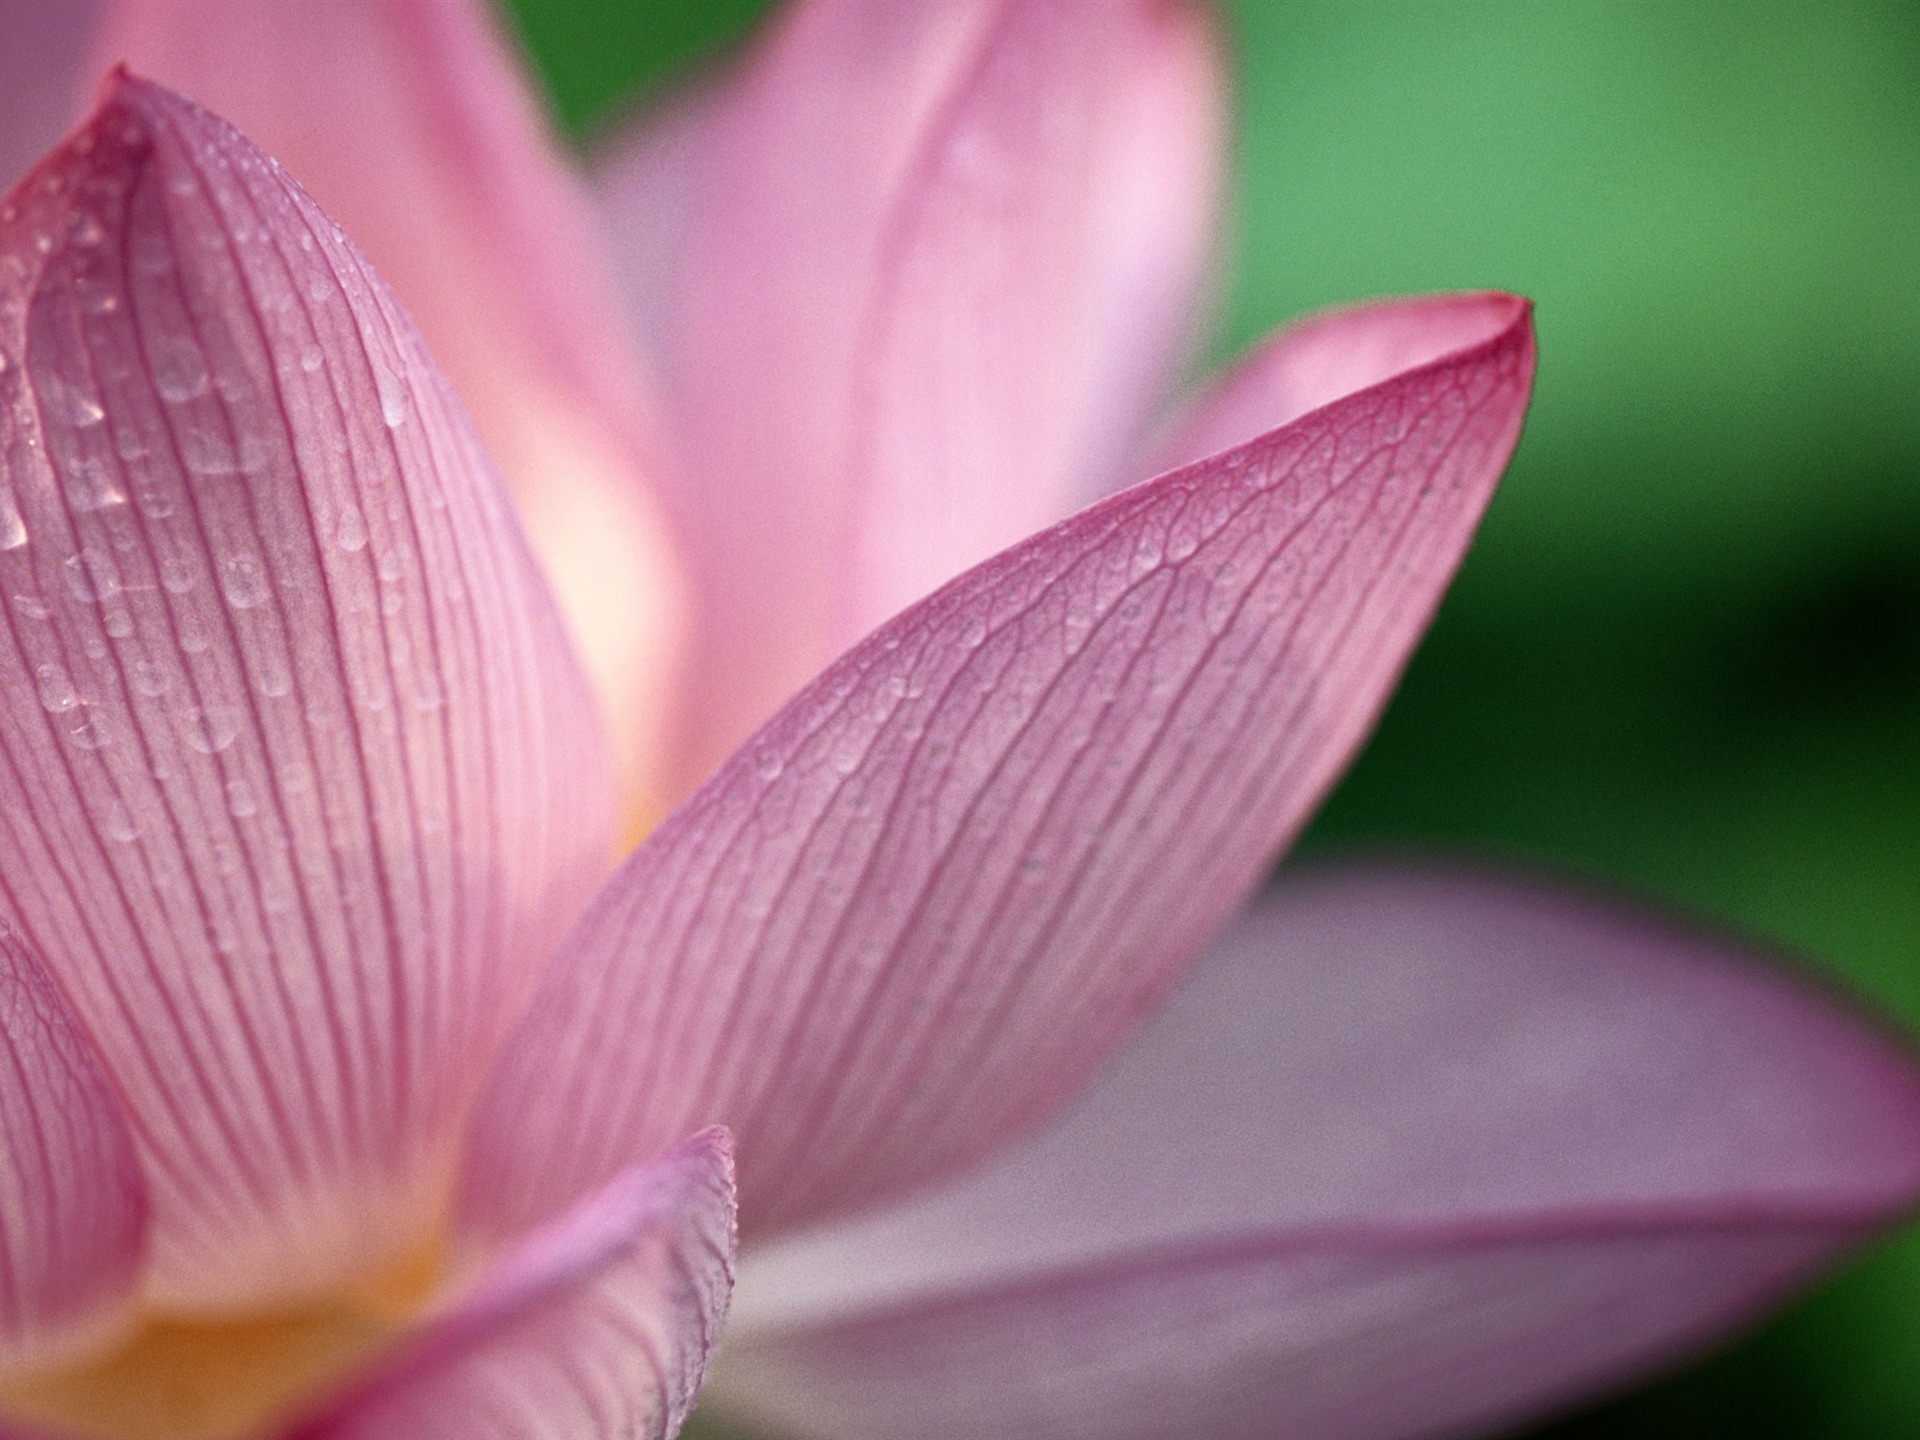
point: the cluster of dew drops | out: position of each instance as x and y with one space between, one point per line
179 375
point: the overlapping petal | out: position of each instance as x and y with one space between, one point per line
936 273
597 1326
1386 1167
924 900
298 779
408 121
72 1203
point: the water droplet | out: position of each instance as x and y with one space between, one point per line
769 765
91 484
240 802
93 732
117 824
391 565
152 253
393 397
34 607
1147 552
96 296
69 403
118 624
176 575
91 576
243 580
155 503
350 534
312 358
151 679
207 451
56 687
192 634
209 729
274 679
179 369
13 529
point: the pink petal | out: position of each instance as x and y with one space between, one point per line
1413 1153
597 1327
1314 362
941 267
41 46
648 184
911 913
72 1206
407 120
298 776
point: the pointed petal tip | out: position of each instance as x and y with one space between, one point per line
1334 354
981 844
247 497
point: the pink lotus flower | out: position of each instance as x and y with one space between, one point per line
349 1096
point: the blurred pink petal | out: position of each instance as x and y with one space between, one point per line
913 911
648 184
1314 362
938 272
300 782
410 124
42 43
72 1204
596 1327
1413 1153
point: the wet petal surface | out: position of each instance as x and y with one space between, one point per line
299 776
914 910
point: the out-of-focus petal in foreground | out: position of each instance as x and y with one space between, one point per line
917 276
299 781
910 914
1414 1153
73 1205
408 121
596 1327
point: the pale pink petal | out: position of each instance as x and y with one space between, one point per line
73 1208
1413 1153
1314 362
596 1327
940 267
908 916
648 184
407 121
42 43
299 780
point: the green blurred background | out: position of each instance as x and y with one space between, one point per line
1685 653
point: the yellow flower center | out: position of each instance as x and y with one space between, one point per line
175 1378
